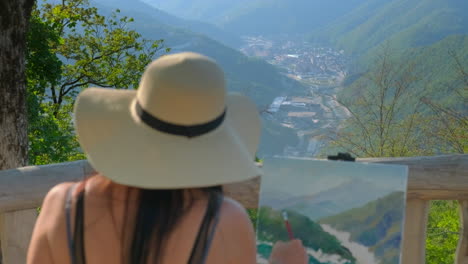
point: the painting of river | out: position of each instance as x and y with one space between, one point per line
343 212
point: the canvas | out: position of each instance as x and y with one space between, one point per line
344 212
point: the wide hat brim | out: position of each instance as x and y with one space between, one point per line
129 152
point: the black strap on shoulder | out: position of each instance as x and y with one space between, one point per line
76 239
207 230
68 222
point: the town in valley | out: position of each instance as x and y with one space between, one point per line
315 112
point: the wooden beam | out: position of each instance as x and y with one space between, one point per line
16 234
245 193
437 194
25 188
433 173
430 178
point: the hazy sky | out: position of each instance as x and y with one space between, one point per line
306 176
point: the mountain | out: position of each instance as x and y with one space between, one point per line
252 76
419 33
356 25
211 11
141 11
281 17
401 23
271 228
377 225
261 17
330 202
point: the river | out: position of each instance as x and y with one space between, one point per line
317 255
362 254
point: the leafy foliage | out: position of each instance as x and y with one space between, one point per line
253 215
51 137
443 232
70 47
96 50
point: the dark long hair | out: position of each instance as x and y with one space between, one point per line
159 212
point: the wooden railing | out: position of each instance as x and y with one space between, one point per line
430 178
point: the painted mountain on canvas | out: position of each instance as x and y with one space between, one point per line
328 202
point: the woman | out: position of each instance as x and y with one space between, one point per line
162 153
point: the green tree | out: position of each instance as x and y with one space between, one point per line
50 138
449 123
392 113
71 47
449 126
383 119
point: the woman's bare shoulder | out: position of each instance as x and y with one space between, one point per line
60 189
236 230
234 214
54 204
231 206
50 228
57 194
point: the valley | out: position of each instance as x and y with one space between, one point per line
295 67
315 111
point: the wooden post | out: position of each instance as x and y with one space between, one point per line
15 184
414 236
16 230
461 256
245 192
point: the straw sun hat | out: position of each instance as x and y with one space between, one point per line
178 130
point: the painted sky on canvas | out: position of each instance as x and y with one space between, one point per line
307 177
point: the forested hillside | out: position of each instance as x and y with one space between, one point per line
409 67
438 67
435 69
420 93
403 23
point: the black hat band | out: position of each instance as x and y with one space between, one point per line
179 130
